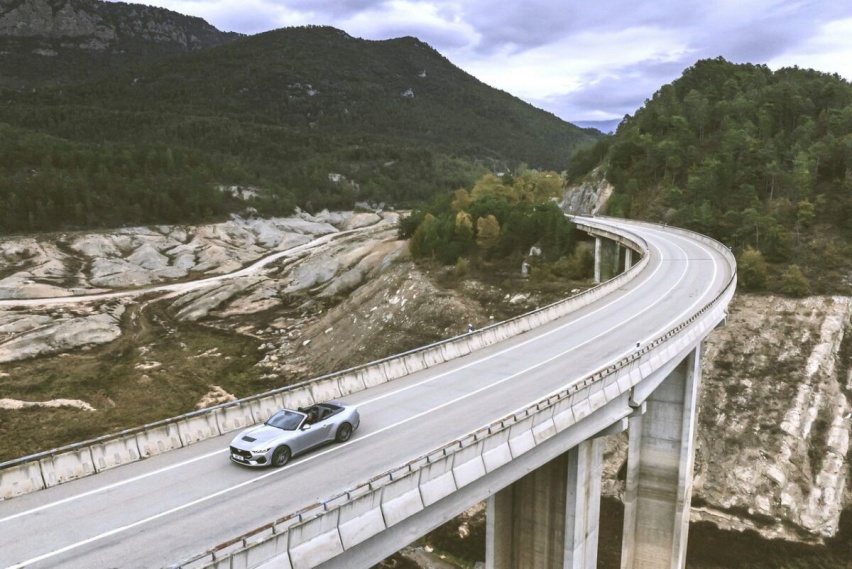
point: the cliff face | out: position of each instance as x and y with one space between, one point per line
588 198
91 24
772 453
76 40
774 418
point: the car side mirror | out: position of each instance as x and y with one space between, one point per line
306 426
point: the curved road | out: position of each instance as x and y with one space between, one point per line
167 508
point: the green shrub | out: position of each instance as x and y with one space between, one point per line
462 267
794 283
752 269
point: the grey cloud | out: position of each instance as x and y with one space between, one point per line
539 22
777 31
336 8
443 40
246 22
619 93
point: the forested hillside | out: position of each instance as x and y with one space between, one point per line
307 117
761 160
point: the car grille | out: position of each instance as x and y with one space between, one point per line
243 453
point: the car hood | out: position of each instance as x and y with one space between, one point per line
257 436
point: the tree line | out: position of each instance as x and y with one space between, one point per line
761 160
499 219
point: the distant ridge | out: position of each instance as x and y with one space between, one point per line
606 127
306 117
45 42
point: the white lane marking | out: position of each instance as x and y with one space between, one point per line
676 320
369 435
110 486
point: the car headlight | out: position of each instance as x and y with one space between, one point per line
260 451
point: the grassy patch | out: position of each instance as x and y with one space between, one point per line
157 369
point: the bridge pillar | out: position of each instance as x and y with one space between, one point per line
549 519
607 259
598 259
659 472
628 258
616 258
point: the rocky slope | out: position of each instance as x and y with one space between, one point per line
589 197
775 418
137 260
75 40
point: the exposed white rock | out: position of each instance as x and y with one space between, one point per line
54 403
118 273
136 257
62 334
148 257
588 198
215 396
775 426
22 285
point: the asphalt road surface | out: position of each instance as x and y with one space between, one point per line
167 508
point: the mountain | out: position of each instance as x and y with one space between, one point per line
761 160
56 42
308 117
606 127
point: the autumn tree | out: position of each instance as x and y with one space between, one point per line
487 233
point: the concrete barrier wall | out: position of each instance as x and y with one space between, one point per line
65 466
22 479
374 506
115 452
89 457
158 439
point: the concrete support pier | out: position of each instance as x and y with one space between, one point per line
549 519
659 472
628 258
597 259
616 258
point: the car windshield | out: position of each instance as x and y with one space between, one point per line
285 420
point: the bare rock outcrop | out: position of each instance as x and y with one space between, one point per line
774 418
31 335
99 25
588 198
141 259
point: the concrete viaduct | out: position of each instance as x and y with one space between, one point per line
537 466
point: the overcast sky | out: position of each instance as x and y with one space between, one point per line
581 60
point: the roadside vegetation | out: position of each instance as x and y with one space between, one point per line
500 221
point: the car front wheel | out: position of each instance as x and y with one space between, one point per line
344 433
280 457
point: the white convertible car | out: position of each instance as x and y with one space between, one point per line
289 432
